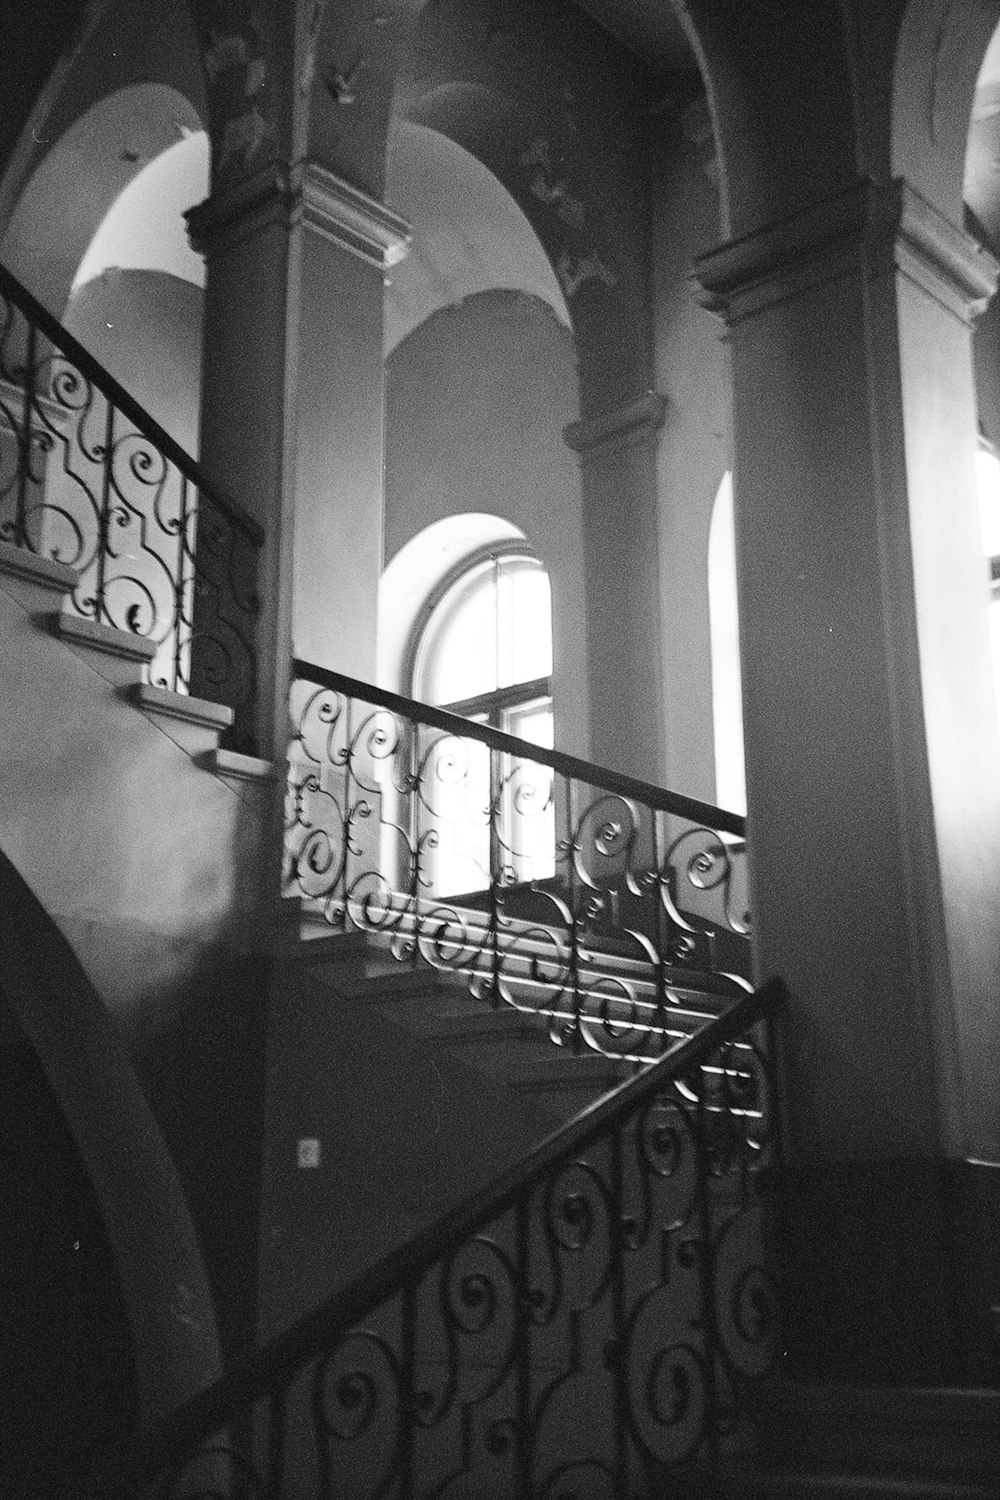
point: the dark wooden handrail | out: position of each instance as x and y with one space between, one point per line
85 362
716 818
271 1368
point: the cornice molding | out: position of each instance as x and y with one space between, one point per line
942 259
637 422
353 220
243 209
866 230
306 194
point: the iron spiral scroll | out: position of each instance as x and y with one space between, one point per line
591 1325
546 890
90 480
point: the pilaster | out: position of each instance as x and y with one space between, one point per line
617 455
870 723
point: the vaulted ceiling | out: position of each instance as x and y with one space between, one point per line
649 28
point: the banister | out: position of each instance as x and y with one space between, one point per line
95 372
88 478
271 1368
497 739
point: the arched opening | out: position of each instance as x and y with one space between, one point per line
480 383
727 692
69 1386
85 172
482 649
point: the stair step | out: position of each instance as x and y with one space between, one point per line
233 766
610 960
737 1483
194 724
467 1019
340 948
120 655
562 1069
35 582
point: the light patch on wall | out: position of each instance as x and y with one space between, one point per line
144 229
727 691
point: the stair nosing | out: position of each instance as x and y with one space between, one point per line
153 699
233 763
21 562
78 630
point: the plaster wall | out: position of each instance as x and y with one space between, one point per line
148 865
145 329
476 400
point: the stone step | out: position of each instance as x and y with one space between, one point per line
119 656
195 724
36 583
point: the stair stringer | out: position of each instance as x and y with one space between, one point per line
146 861
412 1116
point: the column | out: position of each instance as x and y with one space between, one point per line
873 766
617 452
292 405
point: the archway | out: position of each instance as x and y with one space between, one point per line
141 1205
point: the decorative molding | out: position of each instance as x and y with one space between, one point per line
306 194
353 220
773 264
868 230
626 426
243 209
942 259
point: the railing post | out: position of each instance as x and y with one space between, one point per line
523 1373
706 1262
21 538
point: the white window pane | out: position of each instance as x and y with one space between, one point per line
459 655
524 609
533 722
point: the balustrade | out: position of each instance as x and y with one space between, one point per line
590 1324
89 479
598 902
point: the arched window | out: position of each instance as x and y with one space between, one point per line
483 650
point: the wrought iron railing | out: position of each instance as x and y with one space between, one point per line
90 479
614 909
590 1324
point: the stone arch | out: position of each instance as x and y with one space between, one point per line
64 202
782 102
939 52
152 1238
469 234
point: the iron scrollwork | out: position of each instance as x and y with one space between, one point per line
85 481
620 922
596 1333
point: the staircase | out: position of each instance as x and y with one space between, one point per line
600 1318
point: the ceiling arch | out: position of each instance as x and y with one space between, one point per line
469 235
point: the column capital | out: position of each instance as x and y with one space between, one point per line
300 193
623 427
870 230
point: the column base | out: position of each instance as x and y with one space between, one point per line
891 1274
